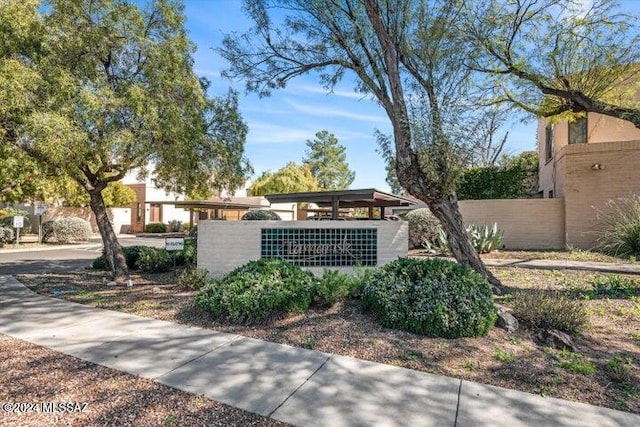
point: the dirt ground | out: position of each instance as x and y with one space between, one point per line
509 360
84 394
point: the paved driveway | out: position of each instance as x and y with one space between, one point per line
49 261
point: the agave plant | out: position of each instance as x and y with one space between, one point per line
485 238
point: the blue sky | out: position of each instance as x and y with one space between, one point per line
279 125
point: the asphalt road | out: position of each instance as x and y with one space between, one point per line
51 261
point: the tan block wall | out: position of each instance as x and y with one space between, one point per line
226 245
587 190
527 223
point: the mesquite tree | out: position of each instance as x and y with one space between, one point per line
403 53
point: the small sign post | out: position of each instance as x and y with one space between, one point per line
18 223
40 209
173 244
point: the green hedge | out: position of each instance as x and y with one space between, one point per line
432 297
155 227
258 292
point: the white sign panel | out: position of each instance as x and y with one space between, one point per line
174 243
18 221
40 209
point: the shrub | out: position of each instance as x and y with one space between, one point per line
6 219
423 228
193 278
335 286
154 260
258 292
432 297
174 226
155 227
193 231
261 215
549 310
6 235
131 255
619 228
67 230
187 256
484 238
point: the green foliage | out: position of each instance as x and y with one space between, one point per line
572 362
484 238
549 310
424 228
258 292
47 231
261 215
619 367
6 218
503 356
288 179
334 286
619 228
155 227
613 285
491 183
432 297
67 230
131 255
326 159
193 278
94 89
6 235
188 255
100 263
154 260
174 226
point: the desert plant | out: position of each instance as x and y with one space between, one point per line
619 367
549 310
72 229
6 235
335 286
432 297
261 215
155 227
619 227
484 238
424 228
193 278
258 292
154 260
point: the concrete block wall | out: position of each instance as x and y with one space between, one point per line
226 245
527 223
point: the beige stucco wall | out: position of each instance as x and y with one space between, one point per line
226 245
587 190
527 223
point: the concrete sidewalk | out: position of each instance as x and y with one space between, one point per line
294 385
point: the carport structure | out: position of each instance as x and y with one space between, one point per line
366 198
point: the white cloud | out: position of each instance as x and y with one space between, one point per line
327 111
268 133
296 88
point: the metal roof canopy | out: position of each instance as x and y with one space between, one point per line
365 198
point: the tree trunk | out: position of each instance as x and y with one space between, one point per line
113 250
447 211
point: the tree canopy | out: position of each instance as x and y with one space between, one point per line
327 160
291 178
92 89
553 57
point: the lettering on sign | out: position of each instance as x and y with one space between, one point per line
174 243
321 247
40 209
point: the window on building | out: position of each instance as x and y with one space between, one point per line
578 131
548 146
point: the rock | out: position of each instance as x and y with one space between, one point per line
111 283
556 339
506 320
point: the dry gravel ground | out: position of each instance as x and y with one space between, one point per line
573 255
33 374
509 360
